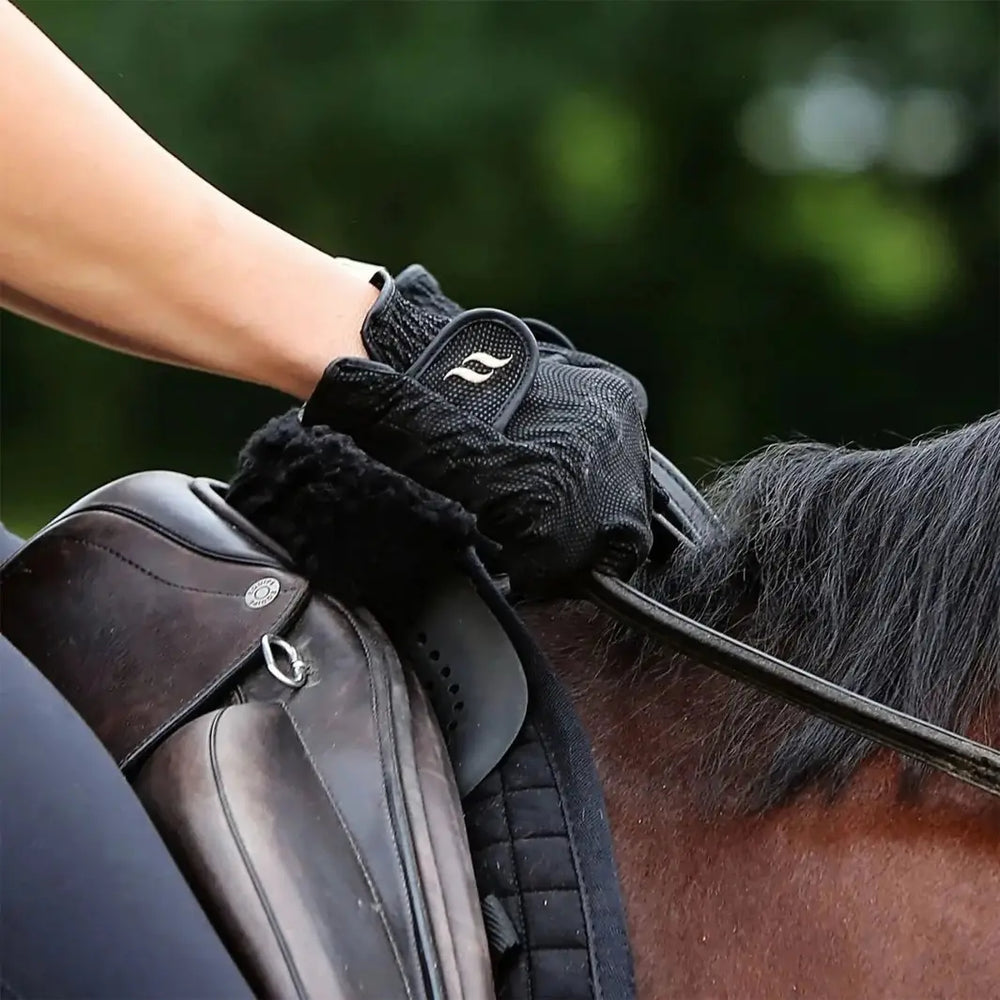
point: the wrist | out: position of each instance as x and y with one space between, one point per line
323 329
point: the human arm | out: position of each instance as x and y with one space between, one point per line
106 235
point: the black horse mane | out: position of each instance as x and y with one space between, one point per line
879 570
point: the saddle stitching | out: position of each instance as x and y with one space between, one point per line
139 516
432 844
365 874
485 797
142 569
486 845
265 903
535 892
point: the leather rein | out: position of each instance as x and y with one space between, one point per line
684 515
942 749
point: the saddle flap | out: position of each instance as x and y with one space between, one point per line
459 642
189 510
168 624
323 831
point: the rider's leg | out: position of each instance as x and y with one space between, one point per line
91 903
9 543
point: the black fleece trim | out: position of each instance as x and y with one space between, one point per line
356 528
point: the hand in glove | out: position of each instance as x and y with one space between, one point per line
680 513
551 455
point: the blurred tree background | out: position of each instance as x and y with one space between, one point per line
782 216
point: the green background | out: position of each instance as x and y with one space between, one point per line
783 217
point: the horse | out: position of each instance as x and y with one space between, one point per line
759 851
763 852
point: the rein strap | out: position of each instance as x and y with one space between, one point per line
962 758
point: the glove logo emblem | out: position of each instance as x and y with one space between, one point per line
481 358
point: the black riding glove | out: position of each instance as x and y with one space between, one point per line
550 455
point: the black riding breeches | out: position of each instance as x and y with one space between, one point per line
91 903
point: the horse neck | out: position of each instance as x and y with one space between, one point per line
671 720
728 904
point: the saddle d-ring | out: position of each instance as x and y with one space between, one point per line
297 677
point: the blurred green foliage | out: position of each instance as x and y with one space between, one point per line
782 216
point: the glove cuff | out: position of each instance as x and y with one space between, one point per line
397 331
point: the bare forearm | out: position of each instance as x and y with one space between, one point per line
106 235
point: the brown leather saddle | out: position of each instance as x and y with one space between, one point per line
306 781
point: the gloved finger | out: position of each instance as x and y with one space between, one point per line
546 333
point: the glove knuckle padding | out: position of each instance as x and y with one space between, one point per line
586 422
